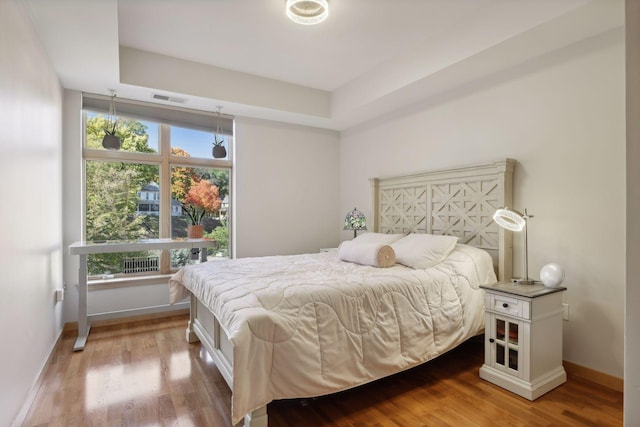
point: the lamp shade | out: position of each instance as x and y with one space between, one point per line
355 220
509 219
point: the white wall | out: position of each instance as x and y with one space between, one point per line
31 195
71 196
287 188
562 117
632 335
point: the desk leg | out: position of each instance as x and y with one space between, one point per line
83 320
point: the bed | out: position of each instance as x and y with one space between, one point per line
312 324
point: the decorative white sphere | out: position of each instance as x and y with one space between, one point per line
551 275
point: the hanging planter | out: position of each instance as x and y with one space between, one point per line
111 141
218 151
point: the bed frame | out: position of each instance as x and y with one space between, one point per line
459 202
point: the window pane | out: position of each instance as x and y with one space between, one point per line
201 196
500 325
500 354
513 359
513 333
121 204
136 135
196 143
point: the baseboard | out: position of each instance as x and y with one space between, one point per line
35 388
592 375
71 327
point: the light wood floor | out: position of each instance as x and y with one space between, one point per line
146 374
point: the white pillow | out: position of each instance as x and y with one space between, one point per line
378 238
373 254
420 251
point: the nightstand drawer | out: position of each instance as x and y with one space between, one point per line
510 306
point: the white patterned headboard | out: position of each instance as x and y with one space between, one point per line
458 202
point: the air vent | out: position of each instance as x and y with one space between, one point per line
169 98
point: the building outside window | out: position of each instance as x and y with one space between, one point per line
142 190
149 201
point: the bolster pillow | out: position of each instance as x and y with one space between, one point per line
373 254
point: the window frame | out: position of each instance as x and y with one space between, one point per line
165 161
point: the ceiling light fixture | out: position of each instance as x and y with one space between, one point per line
307 12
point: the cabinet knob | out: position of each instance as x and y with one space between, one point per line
505 305
491 340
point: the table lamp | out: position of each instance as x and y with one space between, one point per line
355 221
516 221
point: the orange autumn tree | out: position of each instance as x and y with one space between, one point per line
202 197
182 178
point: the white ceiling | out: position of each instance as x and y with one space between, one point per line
368 58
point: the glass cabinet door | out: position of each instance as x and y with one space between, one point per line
507 339
513 345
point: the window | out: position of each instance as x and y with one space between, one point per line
140 191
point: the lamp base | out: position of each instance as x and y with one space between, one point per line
525 281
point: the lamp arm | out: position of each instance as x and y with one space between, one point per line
526 253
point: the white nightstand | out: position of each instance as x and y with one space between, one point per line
523 338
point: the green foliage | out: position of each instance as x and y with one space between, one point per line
220 178
180 257
111 202
112 199
221 235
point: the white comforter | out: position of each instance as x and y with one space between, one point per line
308 325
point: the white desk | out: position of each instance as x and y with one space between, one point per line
82 249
